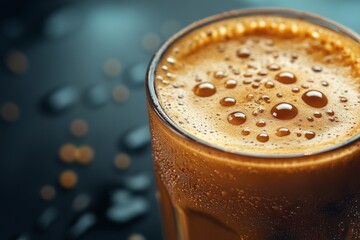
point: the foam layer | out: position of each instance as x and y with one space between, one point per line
263 84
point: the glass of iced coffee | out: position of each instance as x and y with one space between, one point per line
255 121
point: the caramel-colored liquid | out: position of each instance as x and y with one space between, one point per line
265 85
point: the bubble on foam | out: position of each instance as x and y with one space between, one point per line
262 137
324 83
243 53
286 77
237 118
310 119
255 85
230 83
279 95
250 96
247 74
317 114
317 68
266 98
343 99
305 86
171 60
284 111
282 132
205 89
315 98
269 84
227 101
295 90
246 131
220 74
310 134
330 112
263 73
261 123
273 67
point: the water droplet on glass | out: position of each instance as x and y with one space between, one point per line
309 134
315 98
237 118
286 77
205 89
230 83
243 53
262 137
282 132
284 111
227 101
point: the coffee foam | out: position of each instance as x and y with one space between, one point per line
263 84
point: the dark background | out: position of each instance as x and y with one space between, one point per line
65 44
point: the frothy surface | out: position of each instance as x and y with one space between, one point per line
263 84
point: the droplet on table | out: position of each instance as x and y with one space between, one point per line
97 96
61 99
9 112
120 93
136 138
112 67
137 183
17 62
47 193
82 225
46 219
78 128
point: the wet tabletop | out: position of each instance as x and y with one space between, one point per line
75 159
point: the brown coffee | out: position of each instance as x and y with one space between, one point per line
265 103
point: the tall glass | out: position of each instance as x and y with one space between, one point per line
209 193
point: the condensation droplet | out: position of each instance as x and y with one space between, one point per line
310 119
250 96
205 89
279 95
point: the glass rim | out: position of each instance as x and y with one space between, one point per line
284 12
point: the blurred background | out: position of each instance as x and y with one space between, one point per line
75 158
